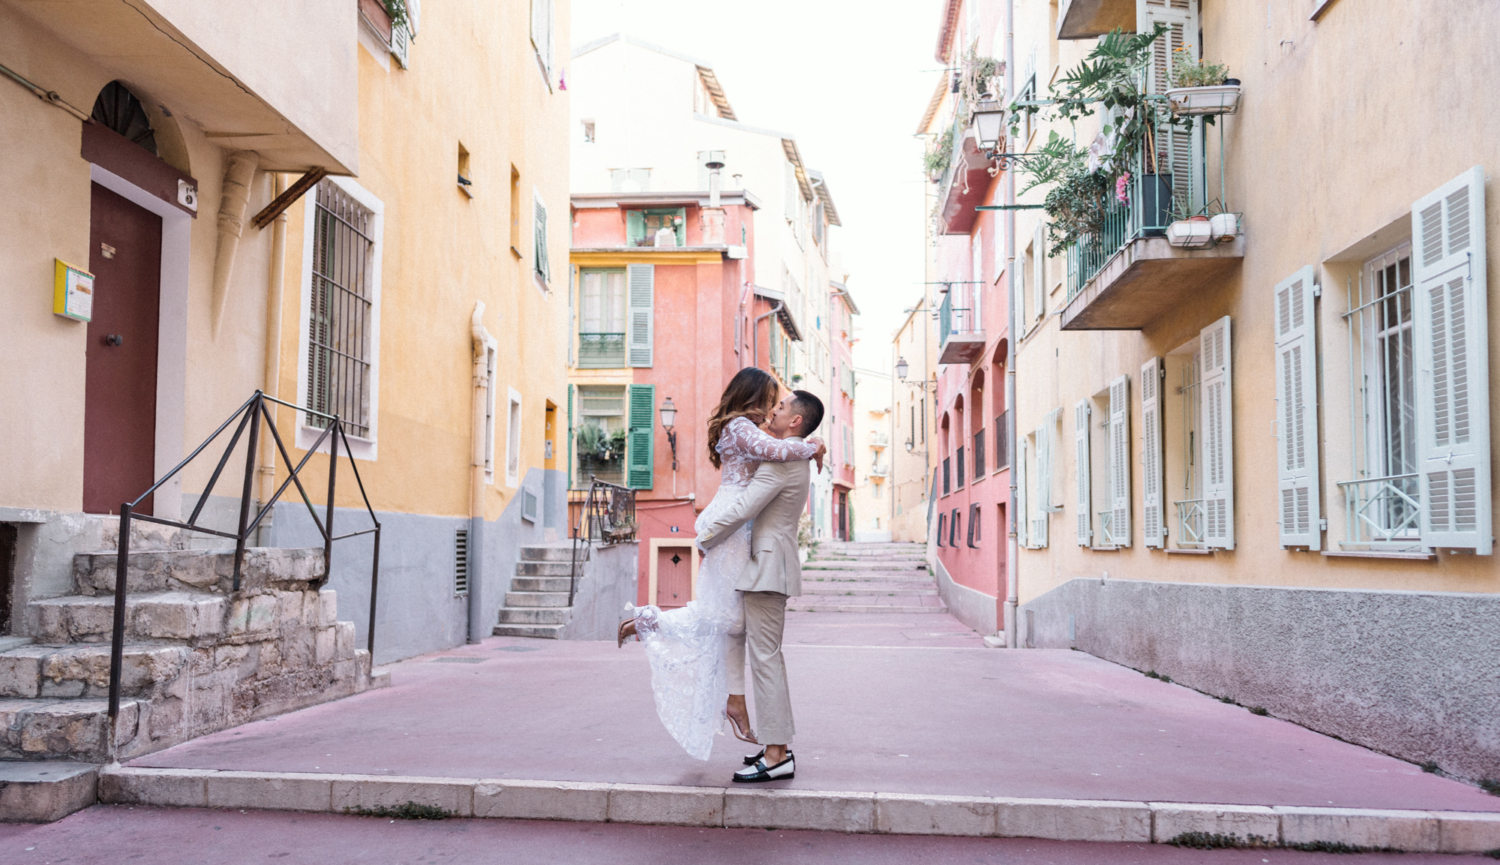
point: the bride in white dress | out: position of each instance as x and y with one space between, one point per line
687 647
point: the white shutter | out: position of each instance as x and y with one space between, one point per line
1041 510
642 325
1039 271
1217 423
539 241
1119 460
1297 412
1081 461
1452 358
1018 291
1023 514
1153 523
401 44
977 283
1182 146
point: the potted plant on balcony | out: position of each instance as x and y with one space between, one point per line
1200 88
938 156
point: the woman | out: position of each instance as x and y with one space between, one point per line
687 646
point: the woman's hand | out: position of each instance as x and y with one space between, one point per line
822 451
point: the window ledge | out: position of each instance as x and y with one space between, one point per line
1381 554
1106 549
1180 552
359 448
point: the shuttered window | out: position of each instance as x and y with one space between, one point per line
942 529
1218 436
1039 271
1119 462
640 436
1153 479
543 25
1043 508
602 319
539 247
641 330
1083 464
1183 147
1452 356
1298 510
1023 505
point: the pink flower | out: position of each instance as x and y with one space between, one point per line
1122 191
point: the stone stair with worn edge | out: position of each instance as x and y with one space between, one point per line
817 810
536 605
852 577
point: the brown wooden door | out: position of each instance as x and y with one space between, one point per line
674 577
119 413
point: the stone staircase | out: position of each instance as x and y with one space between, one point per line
846 577
199 657
537 603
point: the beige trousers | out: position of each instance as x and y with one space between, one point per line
765 619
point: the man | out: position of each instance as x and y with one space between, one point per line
775 500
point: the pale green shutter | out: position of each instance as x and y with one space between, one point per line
543 267
1452 357
1297 412
1023 514
640 329
1081 459
1217 423
1153 524
640 438
635 227
1183 147
1119 460
1041 522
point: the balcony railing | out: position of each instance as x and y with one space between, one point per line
1384 513
1126 274
601 350
1190 528
960 333
1107 537
880 440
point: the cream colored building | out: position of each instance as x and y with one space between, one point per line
911 456
871 500
444 144
1265 467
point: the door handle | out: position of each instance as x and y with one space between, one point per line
114 339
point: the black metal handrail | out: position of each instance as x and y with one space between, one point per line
249 415
608 515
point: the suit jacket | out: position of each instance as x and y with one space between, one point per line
775 499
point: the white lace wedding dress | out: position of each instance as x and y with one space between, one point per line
687 646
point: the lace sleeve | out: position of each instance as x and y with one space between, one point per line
743 438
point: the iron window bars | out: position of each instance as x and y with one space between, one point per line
341 303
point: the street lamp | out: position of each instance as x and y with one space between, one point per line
668 421
989 123
901 368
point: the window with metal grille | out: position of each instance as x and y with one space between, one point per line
958 476
979 455
601 323
340 337
1002 441
461 561
942 529
974 524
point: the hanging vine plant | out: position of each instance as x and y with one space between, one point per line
978 78
939 155
398 12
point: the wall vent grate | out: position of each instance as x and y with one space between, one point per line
461 562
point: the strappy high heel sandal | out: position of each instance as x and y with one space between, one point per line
742 735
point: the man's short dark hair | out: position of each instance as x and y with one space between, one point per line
810 408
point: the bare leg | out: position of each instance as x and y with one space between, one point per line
775 754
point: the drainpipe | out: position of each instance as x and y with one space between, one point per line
274 289
1013 547
233 199
755 334
484 345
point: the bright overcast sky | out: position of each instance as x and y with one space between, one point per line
849 80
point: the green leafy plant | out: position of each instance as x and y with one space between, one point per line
1189 71
1259 710
939 154
398 12
1216 841
1431 767
1078 199
589 439
977 79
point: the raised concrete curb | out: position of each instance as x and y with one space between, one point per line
43 791
857 812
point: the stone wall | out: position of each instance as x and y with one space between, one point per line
1412 674
607 582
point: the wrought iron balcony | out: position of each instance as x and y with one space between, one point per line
880 440
962 338
1164 241
601 350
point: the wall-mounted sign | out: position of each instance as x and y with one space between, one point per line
73 292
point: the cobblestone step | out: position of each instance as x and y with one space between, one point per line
863 566
195 570
546 632
190 616
534 615
540 584
560 552
544 569
870 576
536 599
39 671
57 729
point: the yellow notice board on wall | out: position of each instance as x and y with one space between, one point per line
73 292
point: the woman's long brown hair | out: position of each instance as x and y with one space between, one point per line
751 390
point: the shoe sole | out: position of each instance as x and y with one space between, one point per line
787 777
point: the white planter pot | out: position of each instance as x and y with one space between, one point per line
1216 99
1224 227
1190 233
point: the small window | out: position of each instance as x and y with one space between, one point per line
465 179
599 435
515 212
513 441
974 523
588 132
541 265
953 521
942 529
601 320
341 329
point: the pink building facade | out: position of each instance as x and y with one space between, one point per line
838 424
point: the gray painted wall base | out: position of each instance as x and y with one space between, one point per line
607 582
970 606
1415 675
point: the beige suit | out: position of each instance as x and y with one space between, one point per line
775 499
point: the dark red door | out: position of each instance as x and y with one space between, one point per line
119 412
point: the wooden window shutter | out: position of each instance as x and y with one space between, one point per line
543 268
1450 318
1119 460
401 44
635 227
570 436
1153 522
1042 510
640 436
1018 291
641 328
1217 423
1081 460
1183 147
1297 413
1023 512
1039 271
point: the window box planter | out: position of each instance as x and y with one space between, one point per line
1224 227
1192 233
1215 99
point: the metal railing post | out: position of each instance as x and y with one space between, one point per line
251 452
333 464
374 587
117 640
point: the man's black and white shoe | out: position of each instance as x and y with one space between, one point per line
783 771
750 760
